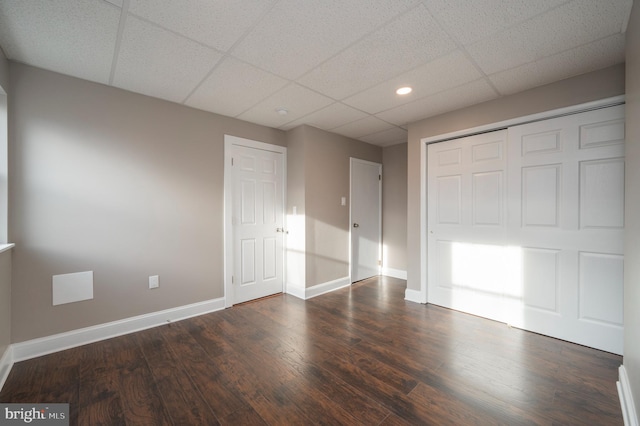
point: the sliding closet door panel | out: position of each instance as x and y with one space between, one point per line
467 222
566 217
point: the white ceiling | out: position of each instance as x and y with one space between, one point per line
333 64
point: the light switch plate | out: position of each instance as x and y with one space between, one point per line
154 281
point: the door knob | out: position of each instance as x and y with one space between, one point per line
355 225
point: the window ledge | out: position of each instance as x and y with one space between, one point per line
5 247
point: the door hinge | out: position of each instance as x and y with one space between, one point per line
231 279
379 262
379 177
231 161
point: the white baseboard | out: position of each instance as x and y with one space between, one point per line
395 273
323 288
626 398
317 290
296 291
71 339
413 296
6 364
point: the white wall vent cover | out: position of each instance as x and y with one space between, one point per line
74 287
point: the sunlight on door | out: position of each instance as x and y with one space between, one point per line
485 271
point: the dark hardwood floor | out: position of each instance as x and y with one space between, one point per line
361 355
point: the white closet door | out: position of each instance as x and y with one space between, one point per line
467 224
566 220
526 226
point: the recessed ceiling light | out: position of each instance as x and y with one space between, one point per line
282 111
404 90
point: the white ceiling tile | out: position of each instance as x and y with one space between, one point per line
65 36
364 127
473 20
234 87
392 136
435 76
118 3
297 35
589 57
348 57
568 26
216 23
334 115
448 100
156 62
297 100
411 40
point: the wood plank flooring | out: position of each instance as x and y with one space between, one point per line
356 356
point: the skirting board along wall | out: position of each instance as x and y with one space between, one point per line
395 273
317 290
414 296
71 339
626 399
6 362
296 291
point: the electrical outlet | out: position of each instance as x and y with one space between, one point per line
154 281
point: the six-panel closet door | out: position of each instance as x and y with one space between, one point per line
467 224
525 226
566 217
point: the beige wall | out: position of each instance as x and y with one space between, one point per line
4 72
296 225
5 301
296 169
584 88
5 257
394 206
4 88
117 183
632 214
326 179
129 186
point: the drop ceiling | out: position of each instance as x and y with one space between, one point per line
332 64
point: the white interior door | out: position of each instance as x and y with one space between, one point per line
467 223
566 217
552 261
366 224
257 218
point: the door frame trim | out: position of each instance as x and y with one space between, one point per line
371 163
229 142
421 296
